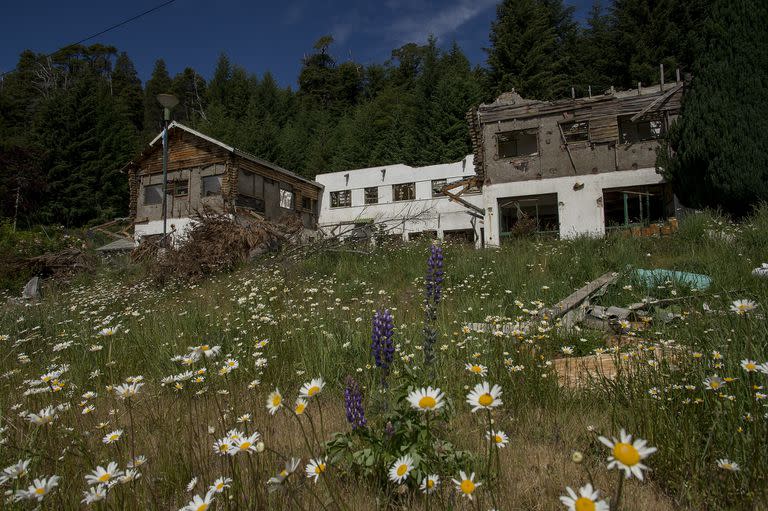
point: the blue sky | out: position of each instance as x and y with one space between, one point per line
260 36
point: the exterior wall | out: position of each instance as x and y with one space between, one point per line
605 149
424 213
579 208
553 160
192 157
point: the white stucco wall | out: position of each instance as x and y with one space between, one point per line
580 211
181 226
424 213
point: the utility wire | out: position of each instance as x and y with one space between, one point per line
124 22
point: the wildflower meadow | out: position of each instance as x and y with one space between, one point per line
419 376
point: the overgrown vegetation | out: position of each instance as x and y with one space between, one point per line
210 355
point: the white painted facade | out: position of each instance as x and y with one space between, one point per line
178 227
405 217
579 208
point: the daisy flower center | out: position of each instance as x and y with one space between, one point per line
39 491
313 390
245 446
283 473
430 483
477 369
105 477
497 439
300 409
714 384
319 469
201 507
402 469
427 402
751 366
485 400
626 453
223 447
584 504
467 486
276 401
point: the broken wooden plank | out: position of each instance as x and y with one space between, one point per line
576 298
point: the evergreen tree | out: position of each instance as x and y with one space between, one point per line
719 156
126 87
159 83
524 50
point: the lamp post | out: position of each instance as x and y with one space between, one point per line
168 101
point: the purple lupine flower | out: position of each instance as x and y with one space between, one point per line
382 346
353 403
435 274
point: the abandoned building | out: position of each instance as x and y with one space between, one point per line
206 174
580 166
402 202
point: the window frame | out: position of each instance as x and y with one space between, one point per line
513 136
159 188
442 183
220 179
410 187
173 187
367 192
572 136
338 194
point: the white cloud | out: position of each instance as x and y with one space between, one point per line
440 22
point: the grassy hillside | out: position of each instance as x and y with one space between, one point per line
210 355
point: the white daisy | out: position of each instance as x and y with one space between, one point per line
499 438
199 503
587 499
727 464
483 396
749 366
315 468
111 438
627 455
426 399
247 444
95 494
429 483
466 486
274 401
220 484
742 307
314 387
40 488
400 469
103 475
477 369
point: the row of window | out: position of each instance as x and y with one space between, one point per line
400 192
209 185
525 142
249 186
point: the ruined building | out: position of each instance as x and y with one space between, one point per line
204 173
573 167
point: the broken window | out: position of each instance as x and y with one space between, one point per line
437 187
153 194
286 197
517 143
404 191
529 214
372 195
576 131
640 131
341 199
635 205
210 185
250 184
178 187
308 204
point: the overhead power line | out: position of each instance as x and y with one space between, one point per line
117 25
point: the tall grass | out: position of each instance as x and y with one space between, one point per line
316 316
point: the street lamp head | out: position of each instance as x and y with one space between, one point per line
167 100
